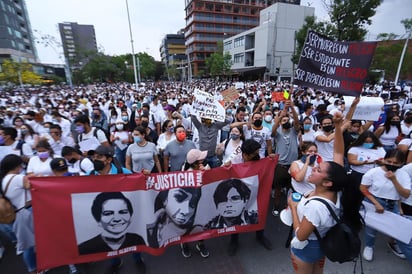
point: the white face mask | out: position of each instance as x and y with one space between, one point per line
119 126
268 118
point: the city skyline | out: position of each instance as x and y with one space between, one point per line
152 20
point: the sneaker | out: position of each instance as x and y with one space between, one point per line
2 249
186 250
368 253
275 212
393 246
202 250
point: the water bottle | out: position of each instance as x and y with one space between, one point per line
296 196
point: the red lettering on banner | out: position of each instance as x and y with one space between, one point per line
361 48
349 85
356 73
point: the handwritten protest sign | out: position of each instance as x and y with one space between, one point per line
207 107
340 67
368 108
230 94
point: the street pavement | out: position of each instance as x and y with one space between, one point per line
251 258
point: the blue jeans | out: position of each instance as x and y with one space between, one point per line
213 161
7 229
370 233
121 156
29 257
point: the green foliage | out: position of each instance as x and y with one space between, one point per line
14 72
219 64
386 36
350 17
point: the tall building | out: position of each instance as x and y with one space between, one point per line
173 51
210 21
16 38
266 50
78 42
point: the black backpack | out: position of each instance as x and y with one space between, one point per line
341 243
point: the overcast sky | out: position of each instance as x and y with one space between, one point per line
152 20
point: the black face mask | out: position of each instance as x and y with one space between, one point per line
327 128
145 124
391 167
98 165
286 125
72 161
257 123
395 123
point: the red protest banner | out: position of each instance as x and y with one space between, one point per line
90 218
334 66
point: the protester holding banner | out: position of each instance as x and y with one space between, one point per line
384 186
141 156
250 152
331 185
103 165
18 193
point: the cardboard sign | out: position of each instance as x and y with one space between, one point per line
205 105
368 108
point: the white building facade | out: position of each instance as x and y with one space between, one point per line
268 48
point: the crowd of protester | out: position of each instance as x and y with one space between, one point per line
152 128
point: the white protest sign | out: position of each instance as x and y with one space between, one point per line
239 85
207 107
368 108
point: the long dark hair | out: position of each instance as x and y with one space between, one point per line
367 134
388 121
10 162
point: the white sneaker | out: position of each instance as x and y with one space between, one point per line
368 253
2 251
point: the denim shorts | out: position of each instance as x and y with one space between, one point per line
311 253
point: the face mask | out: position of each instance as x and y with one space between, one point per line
307 126
257 123
395 123
311 160
80 129
368 145
171 130
114 118
43 155
391 167
234 136
98 165
125 118
72 161
181 136
268 118
137 139
18 123
96 116
286 125
327 128
145 124
1 140
119 126
24 131
229 111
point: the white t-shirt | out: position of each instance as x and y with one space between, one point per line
15 192
382 187
408 169
363 154
303 187
233 153
325 149
260 136
39 167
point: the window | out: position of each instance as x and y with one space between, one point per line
239 42
238 58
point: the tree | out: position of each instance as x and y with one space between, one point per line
218 63
386 36
19 73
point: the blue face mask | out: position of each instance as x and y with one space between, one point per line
234 136
80 129
368 145
1 140
137 139
311 160
307 126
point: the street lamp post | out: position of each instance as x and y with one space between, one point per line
402 56
131 42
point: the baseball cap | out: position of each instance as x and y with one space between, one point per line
58 164
195 155
104 150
